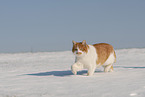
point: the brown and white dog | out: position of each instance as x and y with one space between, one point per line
92 56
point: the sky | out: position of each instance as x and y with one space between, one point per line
51 25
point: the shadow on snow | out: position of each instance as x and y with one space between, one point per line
69 73
58 73
132 67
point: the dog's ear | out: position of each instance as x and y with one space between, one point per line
73 42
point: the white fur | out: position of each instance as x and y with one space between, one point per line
107 65
88 61
110 59
78 50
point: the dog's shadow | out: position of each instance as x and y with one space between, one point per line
58 73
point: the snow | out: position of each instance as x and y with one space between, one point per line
47 74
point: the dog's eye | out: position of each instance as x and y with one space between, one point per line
76 49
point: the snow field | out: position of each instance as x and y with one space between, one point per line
47 74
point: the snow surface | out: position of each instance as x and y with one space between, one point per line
47 74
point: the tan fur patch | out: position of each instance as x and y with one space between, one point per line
82 47
103 51
112 68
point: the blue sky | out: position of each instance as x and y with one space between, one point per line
51 25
